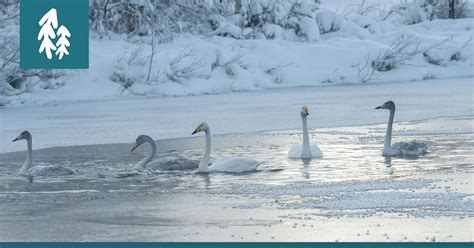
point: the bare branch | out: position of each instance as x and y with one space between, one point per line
365 71
10 18
273 69
185 71
402 49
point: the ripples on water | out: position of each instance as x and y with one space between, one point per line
352 153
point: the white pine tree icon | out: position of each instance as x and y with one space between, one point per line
63 42
48 23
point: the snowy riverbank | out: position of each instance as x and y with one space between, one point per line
361 50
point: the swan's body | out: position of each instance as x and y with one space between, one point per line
234 164
411 148
49 171
163 163
29 171
173 163
305 150
299 151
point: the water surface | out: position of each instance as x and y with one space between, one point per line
352 180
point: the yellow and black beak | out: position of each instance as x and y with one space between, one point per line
197 130
306 111
135 146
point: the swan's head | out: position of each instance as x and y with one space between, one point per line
139 141
23 135
201 128
304 111
387 105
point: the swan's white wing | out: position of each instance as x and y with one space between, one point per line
235 165
49 171
316 152
296 150
411 148
172 163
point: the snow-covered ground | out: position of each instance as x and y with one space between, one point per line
195 65
121 121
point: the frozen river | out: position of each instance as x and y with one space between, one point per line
352 194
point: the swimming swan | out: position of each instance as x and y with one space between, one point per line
411 148
305 150
164 163
40 170
234 164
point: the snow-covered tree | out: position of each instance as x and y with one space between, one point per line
443 9
63 43
418 11
407 13
271 19
48 23
131 17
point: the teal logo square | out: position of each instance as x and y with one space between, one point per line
54 34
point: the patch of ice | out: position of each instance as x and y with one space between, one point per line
362 198
327 189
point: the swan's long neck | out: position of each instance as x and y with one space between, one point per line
141 165
29 157
305 131
306 151
204 164
387 145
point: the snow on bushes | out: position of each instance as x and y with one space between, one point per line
278 19
402 49
139 17
229 30
291 20
194 64
328 21
309 28
370 24
221 64
418 11
446 52
408 13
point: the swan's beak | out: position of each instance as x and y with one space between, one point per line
135 146
379 107
16 139
197 130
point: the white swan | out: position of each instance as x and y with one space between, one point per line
305 150
40 170
234 164
163 163
411 148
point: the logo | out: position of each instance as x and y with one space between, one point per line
49 25
54 34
